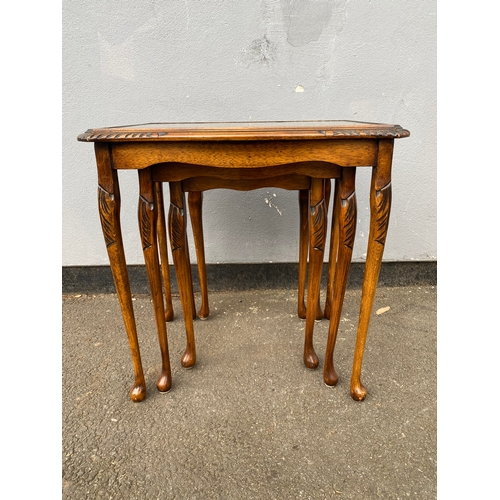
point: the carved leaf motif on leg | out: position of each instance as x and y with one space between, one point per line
318 229
350 221
347 214
107 214
382 212
146 214
109 207
177 224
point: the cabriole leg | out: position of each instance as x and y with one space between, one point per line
380 207
109 212
332 258
178 244
148 215
345 220
317 230
303 249
195 202
162 243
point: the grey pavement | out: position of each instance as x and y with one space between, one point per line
249 421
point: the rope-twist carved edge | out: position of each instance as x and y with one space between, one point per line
89 137
381 133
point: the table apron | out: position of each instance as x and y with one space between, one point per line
171 172
290 182
245 154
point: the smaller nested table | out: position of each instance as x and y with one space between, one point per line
194 157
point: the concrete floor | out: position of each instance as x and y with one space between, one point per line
250 421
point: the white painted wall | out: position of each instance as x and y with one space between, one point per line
140 61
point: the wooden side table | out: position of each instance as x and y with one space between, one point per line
194 157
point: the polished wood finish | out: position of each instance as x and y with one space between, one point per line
304 247
195 202
109 212
245 155
178 242
192 158
148 219
303 250
380 208
343 240
332 257
317 230
163 245
244 131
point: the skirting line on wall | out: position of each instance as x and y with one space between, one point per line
228 277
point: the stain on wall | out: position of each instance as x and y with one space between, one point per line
261 51
305 20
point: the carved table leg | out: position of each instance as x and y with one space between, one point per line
190 276
332 258
345 219
317 229
109 212
195 202
178 242
148 218
162 243
304 248
380 206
